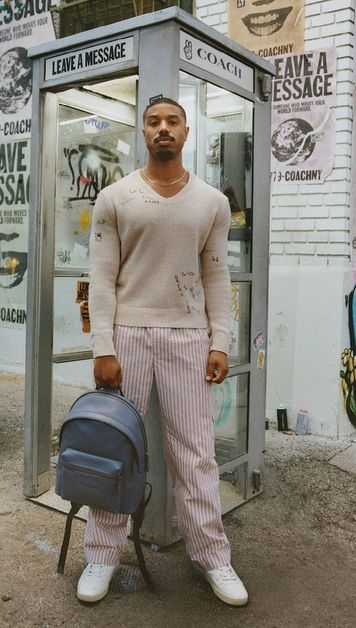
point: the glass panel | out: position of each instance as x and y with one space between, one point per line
231 418
70 316
239 350
219 150
94 149
63 394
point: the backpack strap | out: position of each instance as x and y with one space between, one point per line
66 538
137 519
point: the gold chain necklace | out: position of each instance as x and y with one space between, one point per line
163 185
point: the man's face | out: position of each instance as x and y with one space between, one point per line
262 18
164 131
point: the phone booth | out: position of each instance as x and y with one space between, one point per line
89 94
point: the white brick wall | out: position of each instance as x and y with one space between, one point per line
213 13
312 221
327 23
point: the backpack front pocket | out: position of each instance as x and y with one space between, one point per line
91 480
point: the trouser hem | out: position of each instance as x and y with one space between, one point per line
103 556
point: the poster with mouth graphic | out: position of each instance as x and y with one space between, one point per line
267 27
303 117
23 24
14 190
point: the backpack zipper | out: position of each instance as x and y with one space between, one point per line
85 471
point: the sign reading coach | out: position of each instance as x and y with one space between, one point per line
203 56
90 58
303 120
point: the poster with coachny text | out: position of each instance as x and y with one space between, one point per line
303 132
23 24
267 27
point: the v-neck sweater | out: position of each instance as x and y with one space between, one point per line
159 262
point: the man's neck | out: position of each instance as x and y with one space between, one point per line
164 171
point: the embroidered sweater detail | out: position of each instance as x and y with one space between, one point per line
159 262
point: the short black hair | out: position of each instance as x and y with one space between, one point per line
164 100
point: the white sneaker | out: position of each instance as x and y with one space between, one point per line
94 582
227 585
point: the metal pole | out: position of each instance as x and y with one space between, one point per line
38 379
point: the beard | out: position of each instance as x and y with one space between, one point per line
164 154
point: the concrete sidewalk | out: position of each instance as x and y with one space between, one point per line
294 547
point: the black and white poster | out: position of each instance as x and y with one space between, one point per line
23 24
303 117
14 191
267 27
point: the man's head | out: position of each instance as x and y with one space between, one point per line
165 128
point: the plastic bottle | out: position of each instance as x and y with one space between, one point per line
282 419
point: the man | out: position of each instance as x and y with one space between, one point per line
159 303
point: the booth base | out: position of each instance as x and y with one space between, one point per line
51 500
229 496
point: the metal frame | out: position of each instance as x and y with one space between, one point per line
153 35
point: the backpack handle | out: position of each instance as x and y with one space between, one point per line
111 390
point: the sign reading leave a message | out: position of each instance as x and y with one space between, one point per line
102 55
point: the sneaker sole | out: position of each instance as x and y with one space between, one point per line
91 598
226 599
221 596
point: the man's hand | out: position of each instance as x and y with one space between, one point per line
217 368
107 372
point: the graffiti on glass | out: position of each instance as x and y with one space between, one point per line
92 168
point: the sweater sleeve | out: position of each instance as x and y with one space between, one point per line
216 279
104 269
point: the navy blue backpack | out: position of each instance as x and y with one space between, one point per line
103 462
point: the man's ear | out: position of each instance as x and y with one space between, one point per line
186 133
144 134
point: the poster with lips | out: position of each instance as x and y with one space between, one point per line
23 24
267 27
303 130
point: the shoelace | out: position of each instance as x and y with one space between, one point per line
96 570
226 574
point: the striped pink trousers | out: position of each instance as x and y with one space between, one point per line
177 358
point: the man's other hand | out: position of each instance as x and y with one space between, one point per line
107 372
217 368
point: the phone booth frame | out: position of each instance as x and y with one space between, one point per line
155 40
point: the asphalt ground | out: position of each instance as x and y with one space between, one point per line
294 547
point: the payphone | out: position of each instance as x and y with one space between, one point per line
89 93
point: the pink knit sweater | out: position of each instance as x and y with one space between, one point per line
159 262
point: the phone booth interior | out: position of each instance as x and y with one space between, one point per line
89 94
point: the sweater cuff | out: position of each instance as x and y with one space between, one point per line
220 341
103 344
